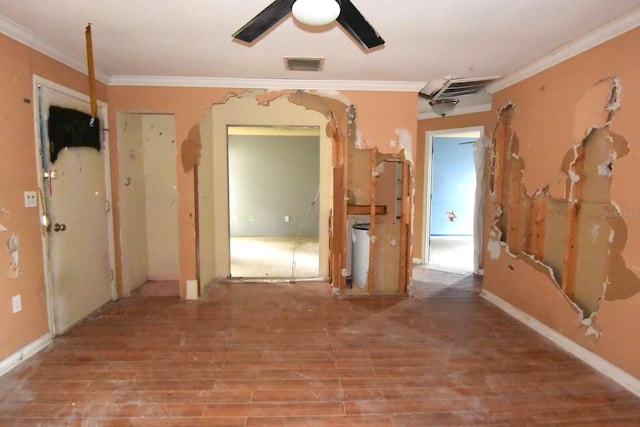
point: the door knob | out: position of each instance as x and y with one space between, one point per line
59 227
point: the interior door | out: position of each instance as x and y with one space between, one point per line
78 245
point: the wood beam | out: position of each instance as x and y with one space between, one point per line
405 229
570 256
372 223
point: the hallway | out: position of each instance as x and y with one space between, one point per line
294 354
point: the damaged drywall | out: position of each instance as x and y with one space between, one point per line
405 143
13 271
342 131
12 248
579 235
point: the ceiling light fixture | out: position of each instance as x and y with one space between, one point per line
315 12
443 106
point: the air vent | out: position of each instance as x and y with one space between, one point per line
303 64
456 87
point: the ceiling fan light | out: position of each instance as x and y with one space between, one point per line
443 106
315 12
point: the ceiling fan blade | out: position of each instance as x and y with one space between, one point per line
264 20
352 20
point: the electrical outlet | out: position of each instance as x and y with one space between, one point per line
30 199
16 303
250 218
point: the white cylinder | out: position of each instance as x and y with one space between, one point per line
360 255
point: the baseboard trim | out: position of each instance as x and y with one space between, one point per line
24 353
601 365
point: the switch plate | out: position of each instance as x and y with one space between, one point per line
250 218
16 303
30 199
286 218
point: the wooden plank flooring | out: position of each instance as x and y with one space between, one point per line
265 355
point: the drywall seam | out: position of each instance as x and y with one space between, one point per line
621 377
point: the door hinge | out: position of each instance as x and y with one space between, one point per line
107 206
51 173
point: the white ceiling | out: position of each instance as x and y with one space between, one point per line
139 40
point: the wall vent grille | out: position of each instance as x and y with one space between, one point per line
457 87
303 64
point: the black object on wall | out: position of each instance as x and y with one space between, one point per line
70 128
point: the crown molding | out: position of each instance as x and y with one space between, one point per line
35 42
271 84
468 109
598 36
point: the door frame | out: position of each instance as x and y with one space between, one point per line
428 181
42 209
213 175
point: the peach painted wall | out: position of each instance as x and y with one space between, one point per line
18 173
428 125
385 119
545 105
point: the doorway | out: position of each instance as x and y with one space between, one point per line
450 202
274 183
213 217
75 204
148 202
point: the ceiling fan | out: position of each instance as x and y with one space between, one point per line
346 14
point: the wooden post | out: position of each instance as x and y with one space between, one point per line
196 214
344 233
405 222
570 256
338 243
499 151
92 78
513 206
539 216
372 223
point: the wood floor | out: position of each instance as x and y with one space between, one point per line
286 354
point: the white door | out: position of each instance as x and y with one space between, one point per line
78 245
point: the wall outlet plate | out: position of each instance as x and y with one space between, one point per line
30 199
16 303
